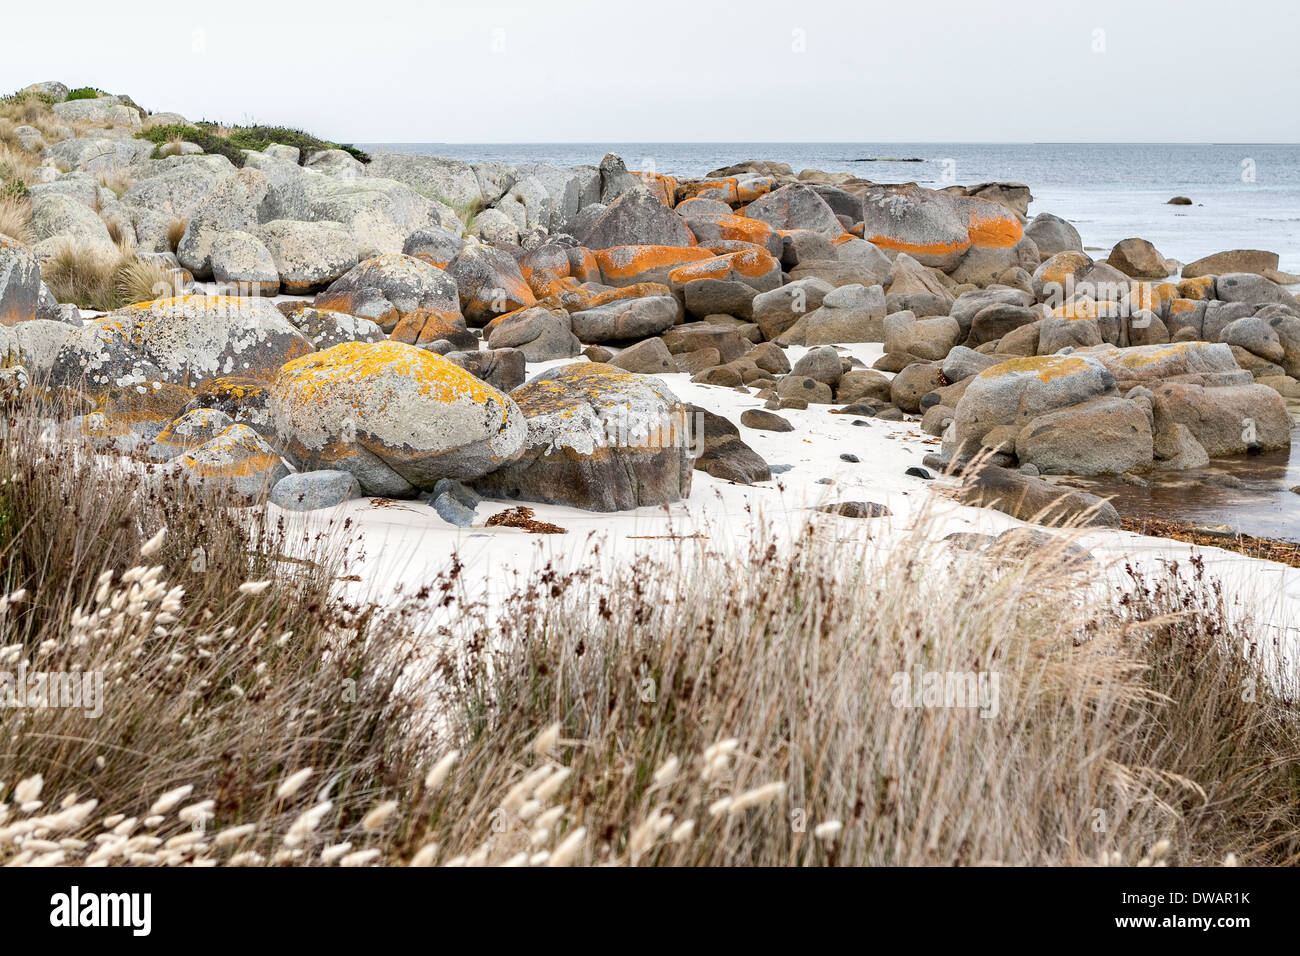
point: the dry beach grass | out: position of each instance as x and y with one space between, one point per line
94 279
710 709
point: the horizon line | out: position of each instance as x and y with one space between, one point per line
813 142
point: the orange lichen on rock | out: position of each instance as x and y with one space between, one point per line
431 259
507 292
638 291
583 265
919 248
139 404
421 327
545 285
622 263
1065 265
549 259
750 263
236 453
723 190
991 225
1201 287
664 188
744 230
236 388
1085 309
99 425
1137 358
498 319
1151 296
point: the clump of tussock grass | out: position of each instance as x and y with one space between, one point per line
16 218
116 182
93 278
1121 711
172 147
8 136
13 146
222 675
143 280
702 709
176 232
27 107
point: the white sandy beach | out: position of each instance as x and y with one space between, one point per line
406 543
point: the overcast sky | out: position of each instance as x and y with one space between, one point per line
687 70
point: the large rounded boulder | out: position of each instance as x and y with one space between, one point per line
920 222
1011 394
237 461
796 206
308 255
636 218
391 288
186 340
397 417
599 438
1052 234
489 283
231 206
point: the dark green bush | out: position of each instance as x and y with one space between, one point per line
85 93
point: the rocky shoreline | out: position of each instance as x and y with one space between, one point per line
325 324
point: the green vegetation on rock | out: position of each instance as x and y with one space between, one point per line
231 141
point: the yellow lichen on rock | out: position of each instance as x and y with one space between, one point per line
1046 367
435 377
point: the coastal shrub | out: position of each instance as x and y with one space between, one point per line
11 187
259 137
707 709
232 141
85 93
16 166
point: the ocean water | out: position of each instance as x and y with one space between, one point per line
1245 195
